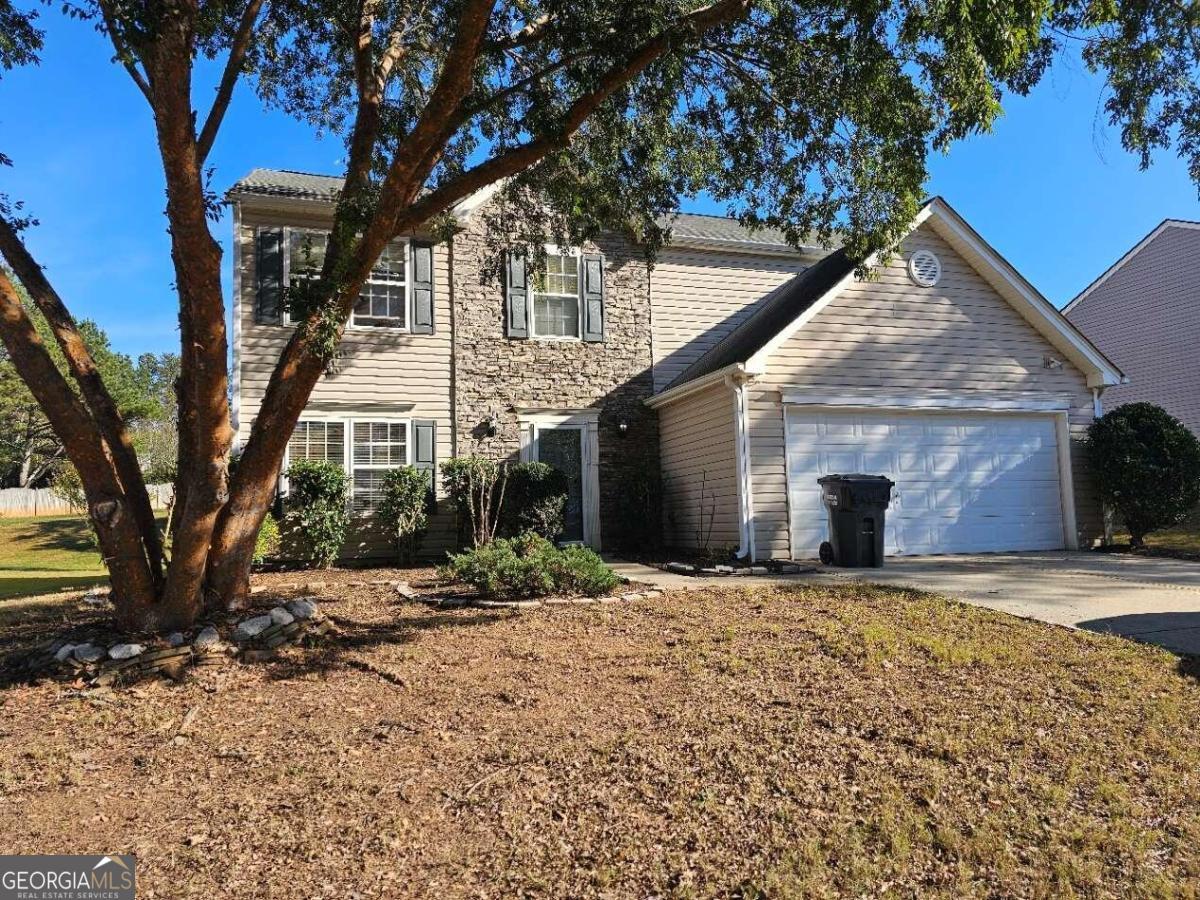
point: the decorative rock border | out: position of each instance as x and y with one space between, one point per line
253 639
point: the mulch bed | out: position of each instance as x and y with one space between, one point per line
770 742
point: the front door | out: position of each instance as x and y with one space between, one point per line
561 447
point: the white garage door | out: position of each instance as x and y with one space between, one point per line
965 483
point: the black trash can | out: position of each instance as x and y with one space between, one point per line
857 505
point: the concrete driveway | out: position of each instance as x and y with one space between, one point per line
1151 600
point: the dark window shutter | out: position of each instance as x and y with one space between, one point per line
268 300
591 298
424 455
516 296
421 265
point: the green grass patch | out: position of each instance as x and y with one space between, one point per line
42 554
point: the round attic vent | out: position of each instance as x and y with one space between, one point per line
924 268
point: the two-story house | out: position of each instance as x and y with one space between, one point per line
738 367
1144 312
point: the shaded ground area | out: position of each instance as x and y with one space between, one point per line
1181 542
805 741
41 554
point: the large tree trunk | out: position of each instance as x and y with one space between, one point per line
206 434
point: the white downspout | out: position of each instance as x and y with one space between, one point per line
1097 403
741 430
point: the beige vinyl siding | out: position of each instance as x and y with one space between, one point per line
895 336
767 474
696 444
697 297
375 369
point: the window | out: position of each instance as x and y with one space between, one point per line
319 441
556 297
374 448
377 447
383 301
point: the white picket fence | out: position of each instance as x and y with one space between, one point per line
16 502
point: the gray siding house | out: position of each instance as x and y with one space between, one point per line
1144 313
737 369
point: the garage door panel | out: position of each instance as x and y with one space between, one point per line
965 483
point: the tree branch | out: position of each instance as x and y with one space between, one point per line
524 37
124 55
233 70
458 74
120 539
83 369
522 157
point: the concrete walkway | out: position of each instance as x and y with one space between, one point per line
1151 600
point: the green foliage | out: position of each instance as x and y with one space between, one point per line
531 566
317 508
30 452
266 544
476 487
404 509
537 500
1146 465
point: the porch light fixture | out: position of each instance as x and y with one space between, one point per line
623 427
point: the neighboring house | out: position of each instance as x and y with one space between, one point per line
739 367
1144 314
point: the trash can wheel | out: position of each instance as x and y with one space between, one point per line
825 551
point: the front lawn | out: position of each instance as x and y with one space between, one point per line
758 743
1182 541
42 554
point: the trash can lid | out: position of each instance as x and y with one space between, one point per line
836 479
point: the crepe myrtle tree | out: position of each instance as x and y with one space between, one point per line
807 115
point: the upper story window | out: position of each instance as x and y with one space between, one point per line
556 297
383 301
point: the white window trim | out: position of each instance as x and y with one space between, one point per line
350 326
555 250
348 420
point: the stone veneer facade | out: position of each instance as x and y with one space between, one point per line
495 376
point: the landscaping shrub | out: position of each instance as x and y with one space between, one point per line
404 510
1146 466
537 500
531 566
266 545
476 486
317 506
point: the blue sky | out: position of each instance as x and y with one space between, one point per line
1051 188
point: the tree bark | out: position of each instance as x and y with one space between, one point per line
204 403
99 401
133 584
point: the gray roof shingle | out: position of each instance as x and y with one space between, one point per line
685 227
282 183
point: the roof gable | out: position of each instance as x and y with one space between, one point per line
798 302
1120 264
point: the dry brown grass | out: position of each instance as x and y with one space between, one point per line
808 742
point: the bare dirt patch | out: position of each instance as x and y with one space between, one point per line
757 742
